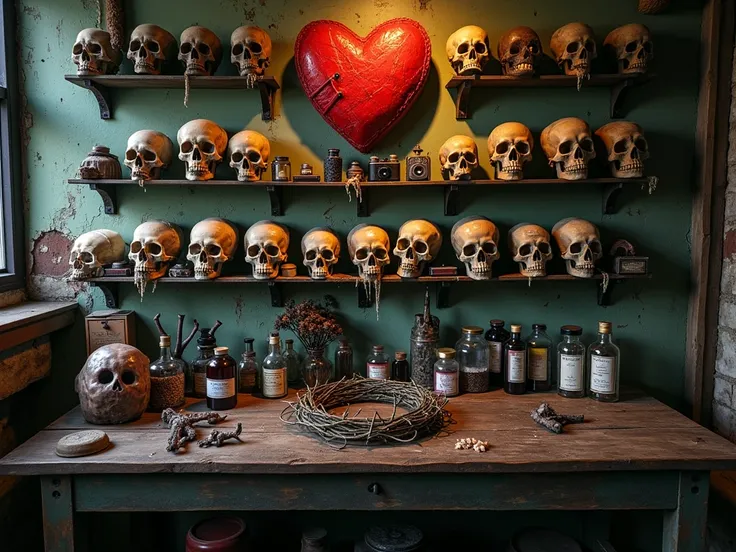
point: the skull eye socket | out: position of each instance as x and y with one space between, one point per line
271 250
573 47
135 45
522 148
641 144
186 147
86 257
214 250
129 377
207 147
502 148
152 46
310 255
94 48
380 253
402 244
361 254
648 47
131 154
515 48
525 250
565 147
153 248
544 247
534 47
135 247
489 248
469 156
203 49
620 146
253 250
453 157
587 144
631 47
480 48
590 45
595 247
420 247
463 48
237 49
149 155
195 249
470 249
105 377
254 156
327 255
185 48
576 248
255 47
236 157
78 48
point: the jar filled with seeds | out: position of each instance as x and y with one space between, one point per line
424 341
167 379
472 356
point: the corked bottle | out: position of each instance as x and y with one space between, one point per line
425 339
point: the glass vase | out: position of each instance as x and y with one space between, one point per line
316 369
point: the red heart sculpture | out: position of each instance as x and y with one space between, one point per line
363 86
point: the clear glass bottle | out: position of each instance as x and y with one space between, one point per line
496 336
604 362
275 382
291 357
316 369
514 352
539 359
222 391
446 373
344 360
377 364
206 350
472 354
248 369
167 379
400 367
571 378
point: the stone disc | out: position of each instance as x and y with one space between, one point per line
82 443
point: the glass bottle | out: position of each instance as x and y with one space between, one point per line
291 357
604 361
167 379
344 360
571 378
206 348
316 370
221 388
400 367
514 352
377 364
424 341
496 336
274 370
539 359
471 352
333 166
281 169
248 369
446 373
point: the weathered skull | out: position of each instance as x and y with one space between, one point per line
150 48
510 148
155 244
114 385
368 247
92 251
249 152
202 144
94 55
631 45
519 50
266 243
459 156
530 245
148 152
321 251
419 243
212 242
569 147
468 50
475 240
250 50
580 245
574 48
626 147
200 50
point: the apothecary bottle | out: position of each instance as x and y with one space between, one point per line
205 351
447 373
571 378
496 336
333 166
515 363
424 341
274 370
343 361
167 379
221 372
471 352
539 359
604 363
400 367
377 364
291 358
281 169
248 369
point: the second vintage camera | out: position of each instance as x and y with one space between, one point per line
384 169
417 165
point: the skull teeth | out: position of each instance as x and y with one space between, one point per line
88 67
521 68
143 65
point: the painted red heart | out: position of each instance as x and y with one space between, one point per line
362 87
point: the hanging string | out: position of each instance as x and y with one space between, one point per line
186 89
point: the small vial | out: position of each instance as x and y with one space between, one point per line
447 373
496 336
515 363
274 370
248 369
221 394
400 367
377 364
571 363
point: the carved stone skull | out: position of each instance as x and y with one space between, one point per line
459 156
150 48
266 243
631 46
249 151
569 147
368 246
574 48
250 50
530 245
418 244
321 251
92 251
114 385
519 50
156 243
468 50
212 242
147 154
202 144
580 245
200 50
626 147
94 55
510 148
475 240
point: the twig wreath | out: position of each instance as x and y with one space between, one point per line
426 412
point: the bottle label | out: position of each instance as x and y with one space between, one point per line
538 364
274 383
602 370
446 383
495 356
200 383
378 370
220 388
516 361
571 372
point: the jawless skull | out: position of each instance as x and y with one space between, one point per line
530 245
569 147
368 247
574 48
468 50
632 48
510 148
212 242
150 48
200 50
626 147
93 53
249 152
320 251
94 250
202 144
156 243
250 50
519 51
418 244
147 154
475 241
580 245
459 156
266 244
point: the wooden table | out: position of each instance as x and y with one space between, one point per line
635 454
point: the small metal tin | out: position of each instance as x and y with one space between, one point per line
288 270
123 268
306 169
443 271
182 270
631 265
100 163
82 443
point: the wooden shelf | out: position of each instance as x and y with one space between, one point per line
100 87
618 85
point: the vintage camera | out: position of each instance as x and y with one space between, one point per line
417 166
384 169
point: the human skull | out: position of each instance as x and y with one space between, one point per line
510 148
468 50
459 156
569 147
574 48
202 144
519 50
249 152
250 50
148 152
368 247
530 245
212 242
580 245
321 251
419 243
475 240
626 147
92 251
631 46
155 244
266 243
114 385
94 55
200 50
150 48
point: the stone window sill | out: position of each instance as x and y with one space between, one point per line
30 320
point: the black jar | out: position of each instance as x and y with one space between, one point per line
333 166
392 538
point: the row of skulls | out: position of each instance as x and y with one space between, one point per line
573 47
151 47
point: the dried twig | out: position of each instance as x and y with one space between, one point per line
218 438
179 345
182 425
548 418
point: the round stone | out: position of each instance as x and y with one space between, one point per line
82 443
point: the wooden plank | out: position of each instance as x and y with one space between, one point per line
58 513
684 528
29 312
173 81
542 81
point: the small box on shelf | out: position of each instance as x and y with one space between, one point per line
109 326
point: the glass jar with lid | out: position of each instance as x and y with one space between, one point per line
281 169
446 373
571 377
471 352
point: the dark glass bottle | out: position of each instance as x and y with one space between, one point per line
496 336
515 363
248 369
206 347
400 367
539 359
344 361
221 389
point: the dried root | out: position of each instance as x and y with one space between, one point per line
182 426
218 438
549 419
472 443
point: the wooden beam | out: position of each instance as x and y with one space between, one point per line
27 321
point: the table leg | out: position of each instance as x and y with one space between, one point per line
58 513
684 528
